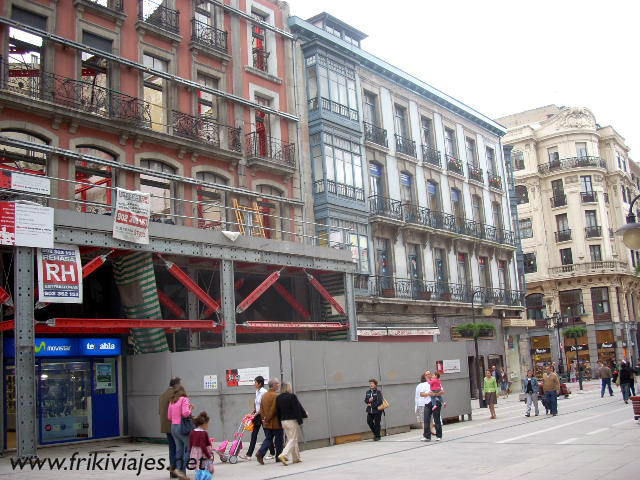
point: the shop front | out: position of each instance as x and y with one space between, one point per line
605 341
78 388
578 349
540 353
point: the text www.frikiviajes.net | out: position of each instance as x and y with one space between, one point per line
98 462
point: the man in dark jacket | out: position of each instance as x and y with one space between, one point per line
273 434
165 424
373 399
626 377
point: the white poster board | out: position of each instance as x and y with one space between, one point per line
246 375
60 274
25 183
26 225
210 382
131 219
451 366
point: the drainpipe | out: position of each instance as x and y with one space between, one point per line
298 142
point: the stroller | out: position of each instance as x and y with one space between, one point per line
234 446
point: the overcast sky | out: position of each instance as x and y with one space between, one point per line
506 56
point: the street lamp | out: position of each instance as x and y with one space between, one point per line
556 322
630 233
487 309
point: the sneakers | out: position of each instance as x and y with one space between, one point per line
527 415
244 457
438 439
425 439
269 457
283 459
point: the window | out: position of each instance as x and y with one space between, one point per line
530 265
95 181
553 154
161 189
343 162
624 194
571 304
557 188
406 187
496 210
211 210
343 232
535 306
600 300
376 180
400 121
581 149
586 185
526 228
414 265
491 160
503 276
633 258
22 159
262 122
427 132
518 159
590 218
450 142
370 108
207 102
337 86
440 265
154 91
566 258
484 272
595 253
433 193
384 266
457 205
476 207
470 147
25 56
463 269
562 222
522 194
259 43
275 225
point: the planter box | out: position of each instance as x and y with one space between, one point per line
445 296
388 292
424 295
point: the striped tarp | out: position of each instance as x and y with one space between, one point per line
136 281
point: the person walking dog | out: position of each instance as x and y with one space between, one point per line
373 399
531 389
551 386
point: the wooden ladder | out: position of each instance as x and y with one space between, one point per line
254 211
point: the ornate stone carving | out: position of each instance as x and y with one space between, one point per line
575 117
572 179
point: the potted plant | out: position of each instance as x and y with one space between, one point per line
495 182
476 330
425 295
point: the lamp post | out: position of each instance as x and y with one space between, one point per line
487 309
631 231
556 322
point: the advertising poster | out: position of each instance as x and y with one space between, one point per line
439 366
26 225
104 375
60 274
451 366
210 382
247 375
232 378
25 183
131 221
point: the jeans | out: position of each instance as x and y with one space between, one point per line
606 382
532 398
626 387
271 437
428 412
373 420
257 423
182 446
551 401
172 449
292 430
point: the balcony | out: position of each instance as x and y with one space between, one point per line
375 134
574 162
111 9
270 153
206 130
386 208
416 215
208 36
334 107
606 266
563 235
593 232
431 156
475 173
406 146
495 181
589 197
454 165
339 189
261 59
159 16
558 200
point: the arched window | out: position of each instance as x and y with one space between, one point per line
23 159
94 181
522 194
272 211
161 190
535 306
211 210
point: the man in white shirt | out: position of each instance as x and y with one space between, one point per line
257 420
419 401
424 392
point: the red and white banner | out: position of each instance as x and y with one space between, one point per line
59 274
26 225
131 221
25 183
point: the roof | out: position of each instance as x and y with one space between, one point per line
357 34
403 78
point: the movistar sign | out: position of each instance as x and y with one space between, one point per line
69 347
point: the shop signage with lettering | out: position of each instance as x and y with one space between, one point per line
540 351
69 347
606 345
576 348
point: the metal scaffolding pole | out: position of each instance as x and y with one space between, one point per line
25 353
228 302
350 306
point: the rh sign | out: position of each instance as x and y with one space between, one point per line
60 274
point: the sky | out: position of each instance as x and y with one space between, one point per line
506 56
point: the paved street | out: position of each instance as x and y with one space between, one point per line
591 438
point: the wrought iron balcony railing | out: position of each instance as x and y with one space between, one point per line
159 15
495 181
415 214
385 207
475 173
454 165
406 146
117 5
339 109
563 235
339 189
593 231
260 145
604 266
431 155
589 197
558 200
208 36
261 59
206 130
375 134
573 162
20 79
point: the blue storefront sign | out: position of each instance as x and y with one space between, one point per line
69 347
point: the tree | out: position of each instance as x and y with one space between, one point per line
476 330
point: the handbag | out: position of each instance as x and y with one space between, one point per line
186 425
383 405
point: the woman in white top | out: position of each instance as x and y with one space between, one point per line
419 402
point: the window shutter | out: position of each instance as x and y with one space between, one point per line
29 18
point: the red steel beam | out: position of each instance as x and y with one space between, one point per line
170 304
289 327
88 186
98 323
5 297
260 289
185 280
208 312
291 300
325 294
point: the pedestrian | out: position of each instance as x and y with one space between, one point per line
531 388
626 377
495 371
436 388
273 434
258 383
291 415
429 411
504 384
200 451
419 402
572 373
165 424
180 407
373 399
605 380
490 389
551 386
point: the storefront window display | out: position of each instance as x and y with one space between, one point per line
540 353
578 348
606 346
